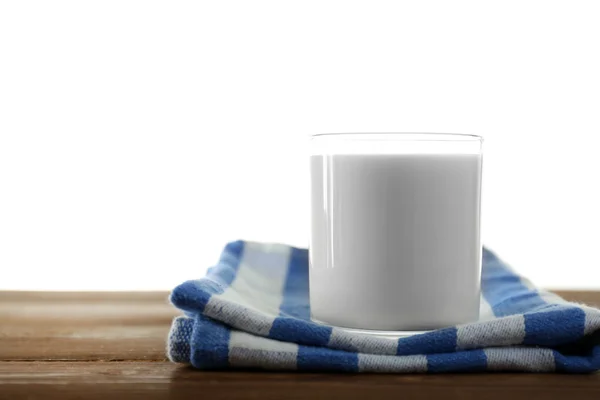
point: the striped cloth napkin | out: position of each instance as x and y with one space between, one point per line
252 311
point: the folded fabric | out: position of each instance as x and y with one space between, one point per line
252 311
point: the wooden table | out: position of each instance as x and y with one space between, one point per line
103 345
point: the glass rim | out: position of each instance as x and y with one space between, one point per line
409 136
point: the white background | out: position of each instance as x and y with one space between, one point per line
139 136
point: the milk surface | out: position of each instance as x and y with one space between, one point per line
395 242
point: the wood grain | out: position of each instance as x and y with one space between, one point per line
160 380
84 326
589 297
94 345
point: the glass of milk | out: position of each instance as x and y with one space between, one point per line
395 233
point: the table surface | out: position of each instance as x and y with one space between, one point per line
94 345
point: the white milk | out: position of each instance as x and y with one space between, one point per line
395 240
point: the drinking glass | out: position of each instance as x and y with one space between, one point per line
395 231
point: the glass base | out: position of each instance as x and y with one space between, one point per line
373 332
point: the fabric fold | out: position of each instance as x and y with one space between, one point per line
252 311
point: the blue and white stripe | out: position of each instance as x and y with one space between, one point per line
252 310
